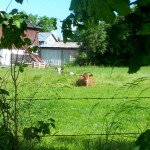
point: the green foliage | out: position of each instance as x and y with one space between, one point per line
82 59
4 92
47 24
94 43
13 37
13 27
19 1
143 141
100 9
6 138
6 134
42 128
21 67
33 19
104 44
78 110
86 12
33 49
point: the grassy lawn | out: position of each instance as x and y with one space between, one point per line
117 103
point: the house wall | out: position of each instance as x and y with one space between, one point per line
6 55
49 40
56 57
53 57
33 35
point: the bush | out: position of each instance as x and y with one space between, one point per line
69 64
82 59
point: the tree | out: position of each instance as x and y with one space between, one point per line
47 24
33 19
120 43
13 26
86 10
94 43
105 44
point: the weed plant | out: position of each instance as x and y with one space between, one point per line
118 103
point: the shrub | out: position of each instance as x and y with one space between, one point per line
82 59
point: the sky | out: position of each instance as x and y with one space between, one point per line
51 8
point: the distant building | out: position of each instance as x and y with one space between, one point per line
32 33
47 38
58 53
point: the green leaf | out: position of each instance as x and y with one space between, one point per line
144 30
46 131
1 20
5 106
81 27
2 91
67 33
101 10
24 65
52 120
143 140
14 11
17 23
6 22
19 1
7 16
122 7
53 125
40 123
21 69
33 49
77 5
27 41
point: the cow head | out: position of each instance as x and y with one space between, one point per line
85 80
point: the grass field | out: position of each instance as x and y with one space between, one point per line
117 103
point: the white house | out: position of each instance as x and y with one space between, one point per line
47 38
52 50
5 55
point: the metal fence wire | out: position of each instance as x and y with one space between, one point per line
84 98
41 106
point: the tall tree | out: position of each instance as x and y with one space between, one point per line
47 24
86 10
33 19
94 43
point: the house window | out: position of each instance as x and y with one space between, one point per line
41 43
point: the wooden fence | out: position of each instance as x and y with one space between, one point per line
39 65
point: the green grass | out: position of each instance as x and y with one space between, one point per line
77 110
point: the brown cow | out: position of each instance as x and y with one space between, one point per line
85 80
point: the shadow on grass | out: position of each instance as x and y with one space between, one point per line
85 143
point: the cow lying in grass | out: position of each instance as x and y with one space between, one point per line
85 80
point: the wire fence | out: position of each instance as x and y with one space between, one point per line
90 138
84 98
89 99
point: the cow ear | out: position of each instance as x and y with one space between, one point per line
91 75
